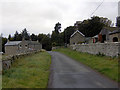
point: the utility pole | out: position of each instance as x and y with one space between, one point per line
1 43
119 8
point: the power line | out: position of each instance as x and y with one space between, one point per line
97 8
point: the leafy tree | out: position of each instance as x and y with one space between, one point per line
57 28
4 41
40 37
46 43
67 33
25 34
9 37
34 37
19 37
61 39
16 36
91 27
56 37
105 21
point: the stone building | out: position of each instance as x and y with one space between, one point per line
114 36
16 47
77 38
104 36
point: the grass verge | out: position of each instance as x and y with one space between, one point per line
28 72
0 81
105 65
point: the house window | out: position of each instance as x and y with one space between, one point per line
26 46
20 46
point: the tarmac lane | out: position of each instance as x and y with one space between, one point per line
68 73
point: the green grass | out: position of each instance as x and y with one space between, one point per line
0 81
105 65
28 72
4 57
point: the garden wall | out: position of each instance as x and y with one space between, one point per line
9 60
108 49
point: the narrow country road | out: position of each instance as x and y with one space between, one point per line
68 73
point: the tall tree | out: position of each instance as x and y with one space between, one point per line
91 27
16 36
67 33
4 41
33 37
40 37
46 43
55 37
25 34
57 28
19 37
9 37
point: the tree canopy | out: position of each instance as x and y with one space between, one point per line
67 33
56 37
91 27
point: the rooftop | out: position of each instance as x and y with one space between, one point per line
114 32
111 28
76 32
12 43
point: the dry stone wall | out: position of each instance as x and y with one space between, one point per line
108 49
9 60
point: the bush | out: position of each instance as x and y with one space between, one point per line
100 54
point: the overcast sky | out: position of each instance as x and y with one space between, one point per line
40 16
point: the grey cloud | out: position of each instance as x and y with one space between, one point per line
40 16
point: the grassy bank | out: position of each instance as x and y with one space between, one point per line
0 81
106 65
28 72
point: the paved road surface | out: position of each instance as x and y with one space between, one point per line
68 73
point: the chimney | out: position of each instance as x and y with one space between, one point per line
23 39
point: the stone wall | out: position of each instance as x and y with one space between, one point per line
108 49
11 50
9 60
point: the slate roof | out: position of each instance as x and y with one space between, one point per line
12 43
76 32
114 32
111 28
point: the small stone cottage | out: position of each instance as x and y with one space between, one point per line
114 36
77 38
16 47
104 35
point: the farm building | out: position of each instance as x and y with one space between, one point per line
77 38
104 35
114 36
16 47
